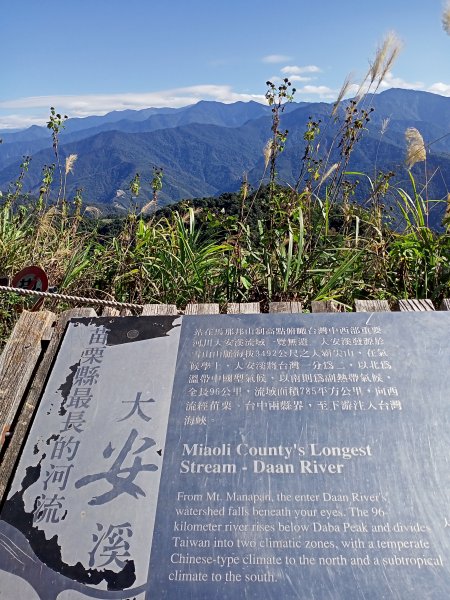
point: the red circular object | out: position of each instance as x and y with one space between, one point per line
31 278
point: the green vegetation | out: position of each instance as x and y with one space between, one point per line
327 237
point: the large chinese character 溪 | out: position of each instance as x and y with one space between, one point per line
111 545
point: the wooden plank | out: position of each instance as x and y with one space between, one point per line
285 307
125 312
243 308
445 305
372 306
23 423
202 309
325 306
154 310
415 305
17 363
109 311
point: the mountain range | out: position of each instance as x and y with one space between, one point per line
204 149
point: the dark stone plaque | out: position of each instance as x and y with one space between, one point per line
281 456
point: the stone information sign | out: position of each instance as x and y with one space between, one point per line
238 456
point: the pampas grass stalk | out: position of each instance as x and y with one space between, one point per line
385 125
344 89
385 57
415 147
267 152
70 161
446 17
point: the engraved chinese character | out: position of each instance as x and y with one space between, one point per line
136 408
99 337
48 509
92 355
61 445
121 479
86 376
58 474
74 422
111 545
81 398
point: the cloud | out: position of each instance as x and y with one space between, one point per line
219 62
298 78
24 112
296 70
390 81
397 82
323 91
16 121
440 88
100 104
295 73
275 58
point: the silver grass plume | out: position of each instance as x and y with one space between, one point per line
147 208
391 58
70 161
447 213
446 17
385 125
385 57
267 152
343 91
329 172
415 147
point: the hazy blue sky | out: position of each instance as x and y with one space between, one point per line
92 56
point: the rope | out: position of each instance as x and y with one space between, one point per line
77 299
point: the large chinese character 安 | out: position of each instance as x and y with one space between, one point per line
120 478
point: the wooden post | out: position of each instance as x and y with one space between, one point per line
243 308
153 310
445 304
372 306
34 394
202 309
415 305
325 306
17 363
109 311
285 307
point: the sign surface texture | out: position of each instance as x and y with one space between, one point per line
237 457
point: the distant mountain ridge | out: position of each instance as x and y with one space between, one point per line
205 148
